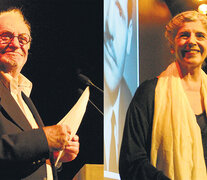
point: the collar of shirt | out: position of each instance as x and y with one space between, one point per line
16 85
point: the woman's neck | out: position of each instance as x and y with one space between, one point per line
191 82
190 77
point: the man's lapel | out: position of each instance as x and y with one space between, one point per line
12 108
33 109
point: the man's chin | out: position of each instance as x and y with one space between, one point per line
8 66
11 63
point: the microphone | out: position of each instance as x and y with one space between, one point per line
80 91
88 82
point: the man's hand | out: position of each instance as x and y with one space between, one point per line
71 150
58 137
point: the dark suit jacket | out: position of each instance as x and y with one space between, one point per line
23 150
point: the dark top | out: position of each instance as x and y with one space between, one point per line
134 162
202 122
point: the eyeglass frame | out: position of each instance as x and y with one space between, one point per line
13 36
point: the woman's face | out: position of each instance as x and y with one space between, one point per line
191 44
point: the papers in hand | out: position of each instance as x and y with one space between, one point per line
74 117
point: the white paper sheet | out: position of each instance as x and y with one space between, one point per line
74 117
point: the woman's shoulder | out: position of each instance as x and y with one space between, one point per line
145 93
148 86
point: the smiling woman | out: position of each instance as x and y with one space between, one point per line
190 42
190 45
165 131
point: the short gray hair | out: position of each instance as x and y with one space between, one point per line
187 16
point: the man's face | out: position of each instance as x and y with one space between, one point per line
116 40
13 56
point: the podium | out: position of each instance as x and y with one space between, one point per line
90 172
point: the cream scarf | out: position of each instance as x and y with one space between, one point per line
176 138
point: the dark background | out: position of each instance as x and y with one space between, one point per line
66 40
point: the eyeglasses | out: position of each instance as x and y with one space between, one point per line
7 37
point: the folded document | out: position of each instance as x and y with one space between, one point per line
74 117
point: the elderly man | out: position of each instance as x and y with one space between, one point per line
27 149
